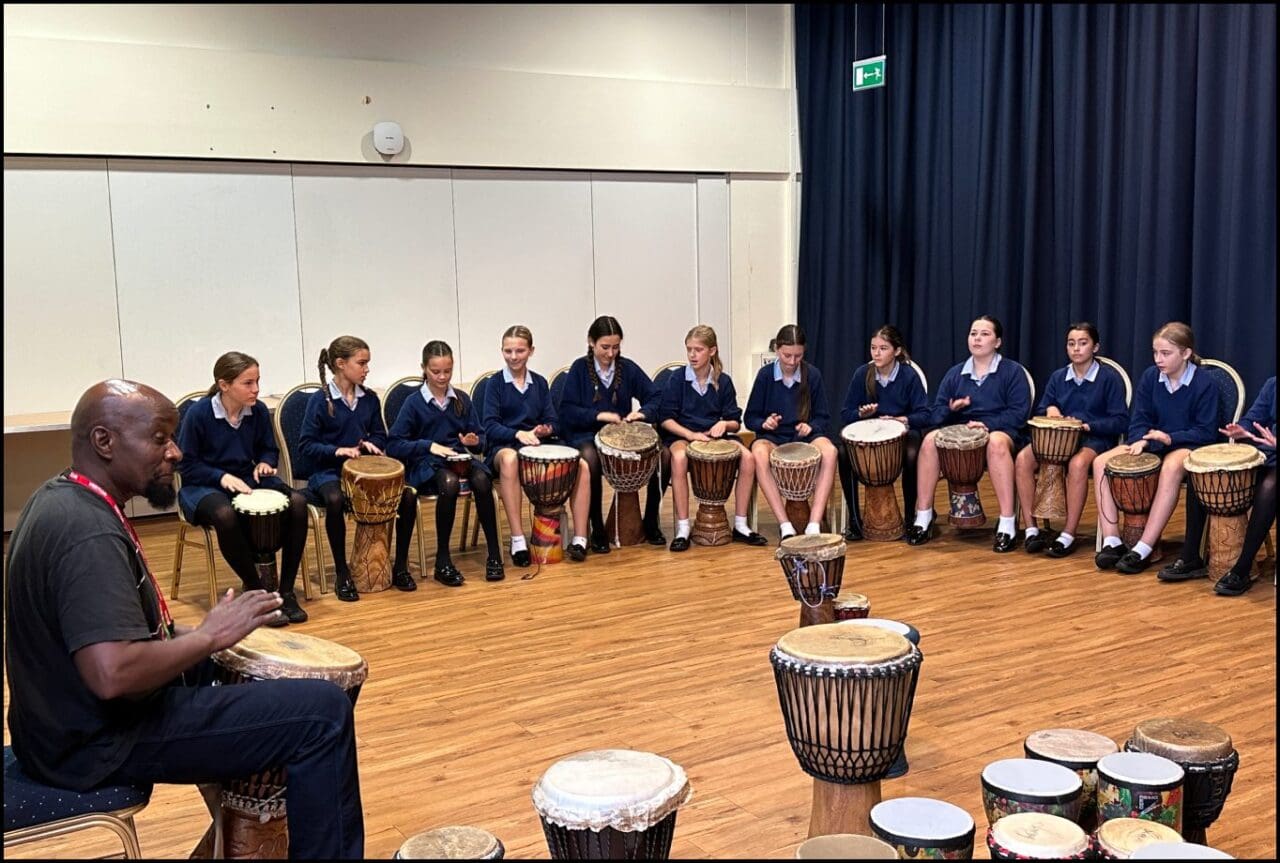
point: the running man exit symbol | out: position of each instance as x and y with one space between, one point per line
868 73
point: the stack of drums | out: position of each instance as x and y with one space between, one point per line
1118 838
845 846
1036 836
1013 785
814 567
1079 751
1140 785
1208 761
452 843
923 828
611 804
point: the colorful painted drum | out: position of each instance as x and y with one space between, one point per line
1054 440
814 566
548 474
1207 758
845 846
452 843
876 448
962 457
1027 785
850 606
1133 480
1178 851
1140 785
1036 836
1118 838
923 828
1079 751
1223 476
611 804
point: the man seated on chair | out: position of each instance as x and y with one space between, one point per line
106 690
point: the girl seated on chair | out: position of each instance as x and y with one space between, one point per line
1093 393
518 412
1175 410
229 448
699 403
343 420
440 423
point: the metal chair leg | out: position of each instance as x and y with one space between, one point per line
177 557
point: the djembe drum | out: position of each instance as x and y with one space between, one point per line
921 828
1118 838
1036 836
611 804
452 843
850 606
459 464
1133 480
253 809
794 467
548 473
1079 751
900 765
1140 785
846 693
262 513
1207 758
372 485
814 566
1026 785
962 456
845 846
875 448
1054 440
1178 851
713 467
1223 477
628 457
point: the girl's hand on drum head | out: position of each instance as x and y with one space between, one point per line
263 469
1085 426
527 438
440 450
975 424
868 410
702 436
959 404
370 448
634 416
347 452
1052 411
1157 435
608 417
469 439
718 430
234 484
542 430
1137 447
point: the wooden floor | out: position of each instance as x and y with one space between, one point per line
473 692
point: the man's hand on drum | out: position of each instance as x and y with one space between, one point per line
234 484
803 429
263 469
528 438
959 404
771 422
542 430
868 410
371 449
234 617
1158 436
719 430
469 439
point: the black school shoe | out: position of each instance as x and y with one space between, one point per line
681 543
1184 570
917 535
852 533
1132 563
292 611
1004 543
448 575
403 580
345 588
1059 549
577 552
1035 544
494 570
750 537
599 543
1233 583
521 557
655 536
1110 556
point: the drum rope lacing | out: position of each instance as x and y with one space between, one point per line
825 591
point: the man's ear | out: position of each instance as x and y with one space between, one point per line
100 439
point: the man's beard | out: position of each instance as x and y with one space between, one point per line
160 494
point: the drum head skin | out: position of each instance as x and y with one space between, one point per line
812 546
845 846
960 437
1182 739
451 843
373 465
906 630
548 452
851 600
627 437
275 654
1140 768
873 430
713 450
795 453
921 821
1224 456
1120 837
1080 749
1178 851
1055 423
261 501
1030 776
843 644
624 789
1133 465
1038 836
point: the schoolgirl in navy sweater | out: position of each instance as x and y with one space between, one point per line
229 448
789 403
438 423
699 403
885 387
517 413
1175 410
343 420
985 391
1093 393
598 390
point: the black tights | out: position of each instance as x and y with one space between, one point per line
1261 518
446 487
656 488
912 452
335 527
215 511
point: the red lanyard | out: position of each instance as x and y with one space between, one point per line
166 620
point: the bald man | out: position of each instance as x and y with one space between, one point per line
106 689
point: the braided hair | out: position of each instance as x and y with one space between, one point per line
791 334
437 348
890 334
341 348
601 327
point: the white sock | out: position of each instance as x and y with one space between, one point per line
1112 542
682 528
1064 539
923 517
1032 531
580 540
786 529
1008 525
518 544
812 527
1142 549
740 524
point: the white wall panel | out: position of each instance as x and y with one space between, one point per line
714 299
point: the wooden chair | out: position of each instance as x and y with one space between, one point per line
184 526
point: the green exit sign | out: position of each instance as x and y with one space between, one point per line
868 73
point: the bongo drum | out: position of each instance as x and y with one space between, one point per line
253 809
1140 785
373 485
794 467
876 448
611 804
1207 758
962 456
452 843
1026 785
1054 440
1118 838
846 692
850 606
845 846
910 633
713 467
459 464
814 566
1036 836
919 827
628 457
1079 751
548 473
1223 476
261 514
1133 480
1178 851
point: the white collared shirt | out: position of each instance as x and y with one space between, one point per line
778 376
605 378
220 412
509 378
1187 374
967 371
430 399
1089 376
692 377
893 375
337 394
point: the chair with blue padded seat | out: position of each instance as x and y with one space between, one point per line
184 526
295 468
556 385
394 399
34 811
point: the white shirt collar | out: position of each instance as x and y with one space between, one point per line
1187 374
426 394
220 411
967 371
606 378
893 374
1089 376
777 375
337 393
692 376
509 378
